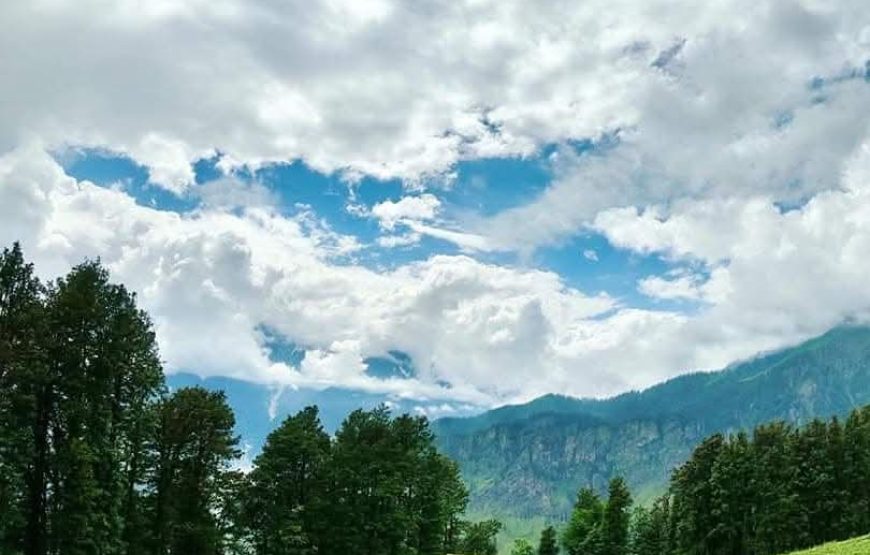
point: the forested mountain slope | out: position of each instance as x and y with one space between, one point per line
529 460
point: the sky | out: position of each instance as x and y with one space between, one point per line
446 205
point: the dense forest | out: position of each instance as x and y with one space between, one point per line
781 489
97 457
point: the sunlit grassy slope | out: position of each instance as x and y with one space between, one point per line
855 546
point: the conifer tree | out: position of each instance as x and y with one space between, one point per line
195 443
582 534
288 476
549 544
617 515
23 411
522 547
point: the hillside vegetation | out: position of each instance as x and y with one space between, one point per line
528 460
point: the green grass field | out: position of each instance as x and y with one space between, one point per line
855 546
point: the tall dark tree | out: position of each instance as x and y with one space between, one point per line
549 544
732 498
694 498
479 538
856 472
617 516
649 529
24 407
195 444
103 348
288 476
779 526
582 535
96 459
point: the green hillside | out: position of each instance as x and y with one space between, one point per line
855 546
528 460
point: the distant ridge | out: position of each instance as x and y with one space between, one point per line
528 460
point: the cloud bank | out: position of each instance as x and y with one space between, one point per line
732 141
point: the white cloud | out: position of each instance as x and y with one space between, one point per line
407 209
354 87
680 287
231 193
212 279
706 121
590 255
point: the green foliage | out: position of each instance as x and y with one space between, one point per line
288 475
548 544
522 547
527 460
600 528
782 489
617 515
97 459
582 535
650 529
79 372
195 444
479 538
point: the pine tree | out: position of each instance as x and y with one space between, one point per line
104 355
548 544
856 472
522 547
649 529
23 419
693 497
195 443
287 476
479 538
778 525
582 535
617 516
732 497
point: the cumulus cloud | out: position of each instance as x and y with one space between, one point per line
353 87
732 140
680 287
212 279
407 209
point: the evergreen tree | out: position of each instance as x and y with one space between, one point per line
617 516
287 477
779 526
732 498
522 547
479 538
582 535
693 504
23 411
194 446
649 529
105 351
548 544
856 473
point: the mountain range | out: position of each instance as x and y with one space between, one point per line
528 461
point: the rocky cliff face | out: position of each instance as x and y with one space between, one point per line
529 460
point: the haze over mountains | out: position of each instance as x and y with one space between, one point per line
529 460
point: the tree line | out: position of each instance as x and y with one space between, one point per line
97 457
781 489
